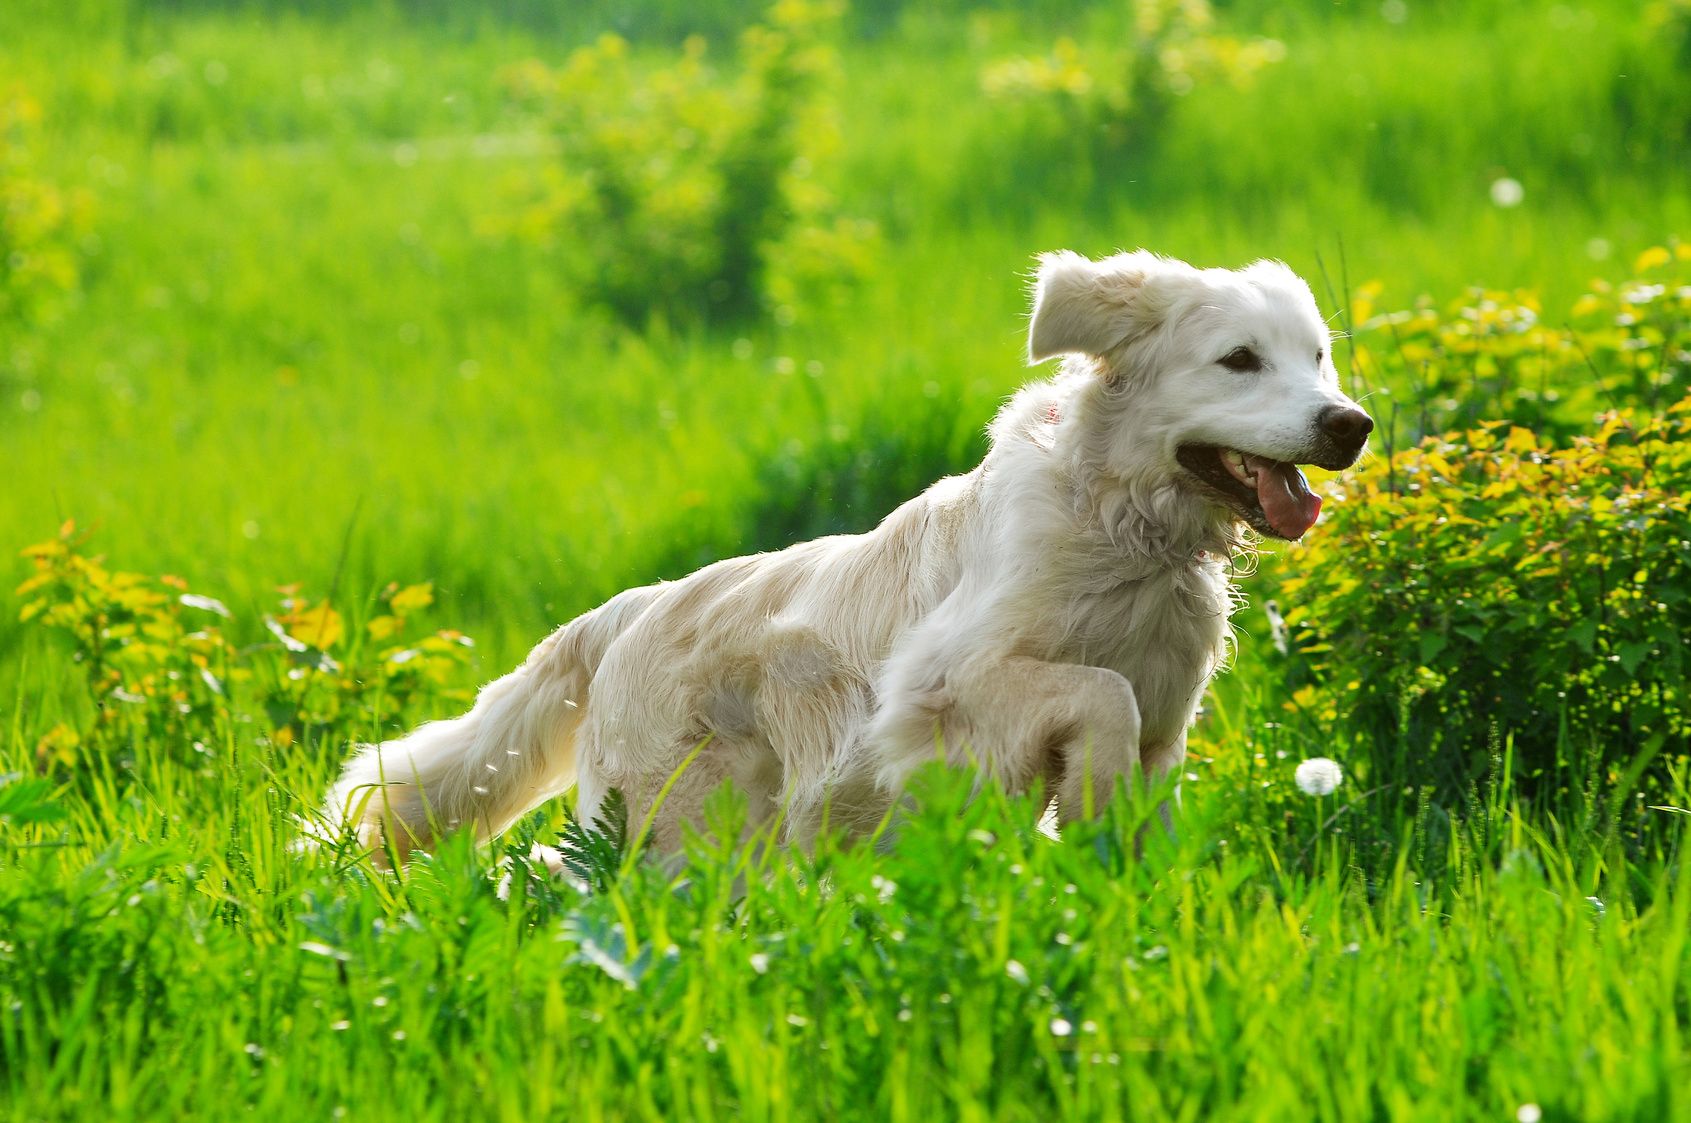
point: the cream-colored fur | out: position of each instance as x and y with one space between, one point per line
1050 617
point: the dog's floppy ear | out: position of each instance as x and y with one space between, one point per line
1088 307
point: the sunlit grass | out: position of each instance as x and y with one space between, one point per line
164 947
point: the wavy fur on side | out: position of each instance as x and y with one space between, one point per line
1051 617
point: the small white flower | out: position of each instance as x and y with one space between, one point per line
1529 1113
1319 776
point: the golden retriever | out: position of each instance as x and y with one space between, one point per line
1050 617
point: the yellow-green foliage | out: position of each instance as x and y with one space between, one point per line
1492 354
1525 578
164 673
684 190
1120 95
1495 583
40 222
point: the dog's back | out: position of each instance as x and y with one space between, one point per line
771 662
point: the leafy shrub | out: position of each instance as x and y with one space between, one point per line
40 222
162 670
1113 100
1651 94
1493 584
1492 354
683 191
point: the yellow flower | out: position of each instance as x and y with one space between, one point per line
1652 258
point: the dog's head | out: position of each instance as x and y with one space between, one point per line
1222 379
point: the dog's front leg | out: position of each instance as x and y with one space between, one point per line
1018 720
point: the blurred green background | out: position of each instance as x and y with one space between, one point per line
343 293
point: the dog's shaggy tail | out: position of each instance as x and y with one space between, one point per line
480 771
483 770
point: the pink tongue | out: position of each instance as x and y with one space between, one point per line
1285 496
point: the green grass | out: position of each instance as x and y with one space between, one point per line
294 355
1289 959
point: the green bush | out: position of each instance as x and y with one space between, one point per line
1651 95
1491 354
1492 586
1107 103
40 222
685 192
164 668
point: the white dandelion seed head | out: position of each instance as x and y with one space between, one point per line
1529 1113
1507 192
1319 776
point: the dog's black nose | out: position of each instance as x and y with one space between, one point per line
1345 424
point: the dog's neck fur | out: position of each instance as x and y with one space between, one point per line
1076 421
1115 565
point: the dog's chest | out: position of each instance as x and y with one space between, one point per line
1166 634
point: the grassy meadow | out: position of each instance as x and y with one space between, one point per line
303 330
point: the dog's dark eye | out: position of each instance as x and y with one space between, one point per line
1319 355
1241 359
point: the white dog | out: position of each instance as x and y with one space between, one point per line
1050 617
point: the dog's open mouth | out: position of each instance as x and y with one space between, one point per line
1271 495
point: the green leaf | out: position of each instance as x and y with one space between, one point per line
1506 534
605 946
24 801
593 853
1632 654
